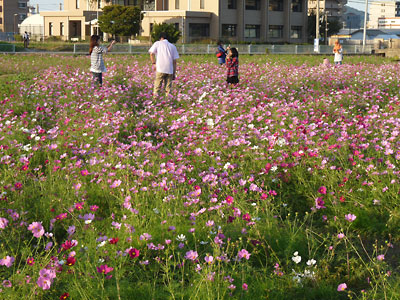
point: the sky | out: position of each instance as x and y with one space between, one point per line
55 4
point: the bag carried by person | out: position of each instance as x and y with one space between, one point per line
219 54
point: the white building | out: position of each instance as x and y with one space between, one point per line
34 25
380 10
389 23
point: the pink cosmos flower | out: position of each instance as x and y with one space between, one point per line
7 283
43 283
3 223
209 259
243 254
191 255
350 217
380 257
340 235
30 261
7 261
341 287
37 229
319 203
245 286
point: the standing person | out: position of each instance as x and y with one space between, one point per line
163 56
221 53
25 37
338 51
96 51
232 66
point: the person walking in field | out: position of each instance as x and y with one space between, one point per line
338 51
25 37
96 52
232 66
163 56
221 53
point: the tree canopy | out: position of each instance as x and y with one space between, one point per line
172 32
121 20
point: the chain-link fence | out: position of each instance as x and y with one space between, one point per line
243 49
187 49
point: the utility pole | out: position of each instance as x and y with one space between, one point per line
365 25
317 24
326 28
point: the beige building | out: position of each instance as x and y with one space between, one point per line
235 20
76 21
333 8
12 13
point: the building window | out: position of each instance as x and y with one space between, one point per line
98 4
61 28
295 32
253 4
176 4
252 31
201 4
276 31
77 4
275 5
199 30
22 5
22 17
232 4
297 5
229 30
1 20
50 29
1 8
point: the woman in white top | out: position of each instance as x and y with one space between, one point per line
96 51
338 51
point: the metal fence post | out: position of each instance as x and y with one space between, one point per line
130 48
183 48
13 48
273 49
74 48
249 50
295 49
208 49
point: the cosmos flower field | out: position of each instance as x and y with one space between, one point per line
284 187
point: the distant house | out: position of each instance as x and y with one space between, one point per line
353 18
372 34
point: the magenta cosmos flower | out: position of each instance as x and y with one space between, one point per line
104 269
37 229
341 287
3 223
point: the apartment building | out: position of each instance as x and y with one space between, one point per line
380 10
235 20
12 13
333 8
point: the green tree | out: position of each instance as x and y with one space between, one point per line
121 20
334 26
173 34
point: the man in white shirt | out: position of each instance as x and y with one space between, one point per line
163 56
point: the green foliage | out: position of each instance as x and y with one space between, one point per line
334 26
170 29
121 20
